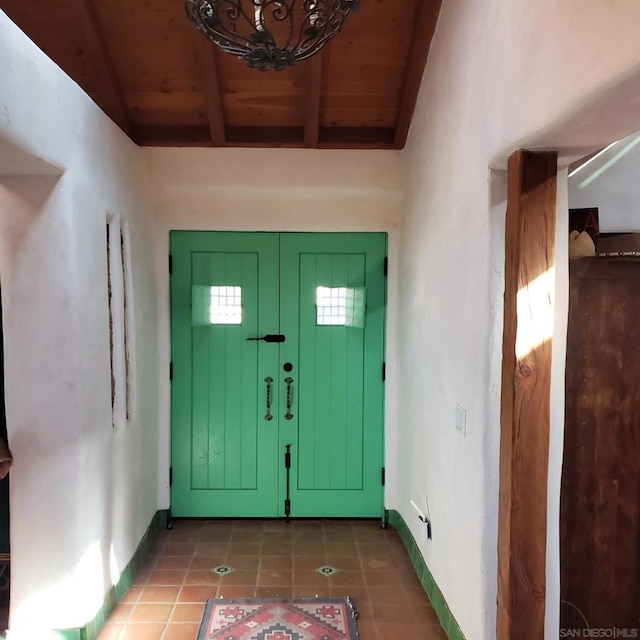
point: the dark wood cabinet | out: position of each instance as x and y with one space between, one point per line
600 495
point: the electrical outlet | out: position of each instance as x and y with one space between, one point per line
461 420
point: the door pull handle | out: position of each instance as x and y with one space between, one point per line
269 381
289 382
270 337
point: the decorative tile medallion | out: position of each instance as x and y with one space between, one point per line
327 570
222 570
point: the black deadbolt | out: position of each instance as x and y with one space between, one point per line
288 367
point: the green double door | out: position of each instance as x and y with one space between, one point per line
277 390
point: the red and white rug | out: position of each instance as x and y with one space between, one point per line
271 619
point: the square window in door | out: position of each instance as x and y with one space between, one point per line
341 306
215 305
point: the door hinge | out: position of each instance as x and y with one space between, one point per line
384 371
170 476
382 476
171 371
170 264
386 266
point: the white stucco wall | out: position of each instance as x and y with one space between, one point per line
274 190
501 76
82 492
611 182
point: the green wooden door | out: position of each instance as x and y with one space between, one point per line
316 388
224 453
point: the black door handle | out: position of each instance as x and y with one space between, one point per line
270 337
289 383
269 381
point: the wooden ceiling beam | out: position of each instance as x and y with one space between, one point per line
144 70
212 90
425 26
356 138
100 60
172 136
266 137
313 92
292 137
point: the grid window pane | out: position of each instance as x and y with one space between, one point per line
331 305
225 305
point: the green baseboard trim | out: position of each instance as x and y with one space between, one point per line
115 593
163 517
448 622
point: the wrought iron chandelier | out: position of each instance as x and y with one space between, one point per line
270 34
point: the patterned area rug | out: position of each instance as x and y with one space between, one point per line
269 619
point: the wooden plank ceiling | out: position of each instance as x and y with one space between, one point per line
164 84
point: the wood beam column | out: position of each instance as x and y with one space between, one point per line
312 100
526 383
212 91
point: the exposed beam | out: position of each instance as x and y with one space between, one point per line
212 91
425 26
265 137
356 138
292 137
100 60
172 136
526 384
313 68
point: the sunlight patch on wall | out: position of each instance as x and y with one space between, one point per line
89 580
114 569
83 591
610 163
535 313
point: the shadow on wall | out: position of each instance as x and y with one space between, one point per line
15 161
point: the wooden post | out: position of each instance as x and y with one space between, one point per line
526 378
312 100
212 90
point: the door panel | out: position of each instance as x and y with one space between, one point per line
337 427
224 452
325 293
225 425
330 429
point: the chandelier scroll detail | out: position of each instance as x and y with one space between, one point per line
270 34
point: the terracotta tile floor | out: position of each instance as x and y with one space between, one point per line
274 559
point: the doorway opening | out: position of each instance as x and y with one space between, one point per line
277 374
600 487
